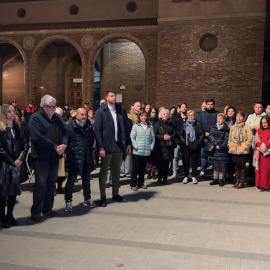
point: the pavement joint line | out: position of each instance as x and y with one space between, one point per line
147 245
201 200
184 219
19 266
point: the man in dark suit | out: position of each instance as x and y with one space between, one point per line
113 139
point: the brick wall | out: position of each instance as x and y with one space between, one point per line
13 81
231 74
124 64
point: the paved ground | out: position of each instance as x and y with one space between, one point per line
194 227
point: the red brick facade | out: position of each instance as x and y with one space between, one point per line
165 57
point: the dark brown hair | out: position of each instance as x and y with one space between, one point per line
140 114
267 118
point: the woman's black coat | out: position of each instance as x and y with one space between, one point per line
12 149
199 134
164 150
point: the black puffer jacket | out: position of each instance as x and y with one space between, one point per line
79 147
164 150
10 150
220 138
199 134
178 123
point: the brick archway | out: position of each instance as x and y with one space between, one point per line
100 43
21 95
39 48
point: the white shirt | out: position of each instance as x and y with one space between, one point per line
113 113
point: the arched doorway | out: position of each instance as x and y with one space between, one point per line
120 65
12 83
74 82
57 64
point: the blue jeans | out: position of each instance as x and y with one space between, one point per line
176 158
44 187
204 157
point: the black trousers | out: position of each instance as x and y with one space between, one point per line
10 206
85 185
163 169
190 158
139 165
44 187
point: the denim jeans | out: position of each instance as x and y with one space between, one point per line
44 187
176 158
204 157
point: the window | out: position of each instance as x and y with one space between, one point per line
208 42
21 13
73 10
131 7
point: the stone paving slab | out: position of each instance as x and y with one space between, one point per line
164 227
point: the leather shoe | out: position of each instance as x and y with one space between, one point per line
51 213
103 203
4 223
12 221
214 182
118 198
37 218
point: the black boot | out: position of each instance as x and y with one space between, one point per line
149 176
154 176
3 219
10 207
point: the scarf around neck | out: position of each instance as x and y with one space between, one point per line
190 133
237 135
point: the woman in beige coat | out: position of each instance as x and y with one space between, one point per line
240 140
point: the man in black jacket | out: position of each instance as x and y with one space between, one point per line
113 138
79 158
48 143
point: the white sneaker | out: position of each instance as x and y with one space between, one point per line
90 203
174 175
68 207
185 180
194 180
201 173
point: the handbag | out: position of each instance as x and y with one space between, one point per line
209 149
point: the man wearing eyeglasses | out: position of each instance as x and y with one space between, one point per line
48 143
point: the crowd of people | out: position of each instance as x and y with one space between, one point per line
146 141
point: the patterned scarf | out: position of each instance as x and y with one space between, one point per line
190 131
237 135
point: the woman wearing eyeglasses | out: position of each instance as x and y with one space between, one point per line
13 151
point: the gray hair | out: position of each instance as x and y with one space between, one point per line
162 111
59 111
45 100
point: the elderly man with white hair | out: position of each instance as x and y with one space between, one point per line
48 143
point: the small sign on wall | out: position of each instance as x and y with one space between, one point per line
77 80
119 98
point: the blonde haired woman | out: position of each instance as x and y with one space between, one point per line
13 151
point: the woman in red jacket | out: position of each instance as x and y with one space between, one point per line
261 159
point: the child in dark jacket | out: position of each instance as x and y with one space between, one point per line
219 134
